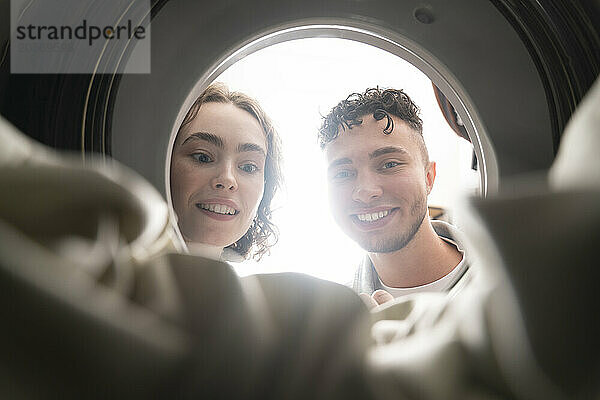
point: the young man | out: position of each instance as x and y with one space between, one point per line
379 177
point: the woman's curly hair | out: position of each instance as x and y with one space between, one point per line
374 101
262 234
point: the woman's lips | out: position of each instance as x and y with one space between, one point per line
219 209
219 212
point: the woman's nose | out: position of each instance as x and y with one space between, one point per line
225 179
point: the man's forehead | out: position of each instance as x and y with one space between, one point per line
366 138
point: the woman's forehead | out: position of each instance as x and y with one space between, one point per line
230 123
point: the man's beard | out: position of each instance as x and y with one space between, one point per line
401 239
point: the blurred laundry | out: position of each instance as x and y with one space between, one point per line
98 302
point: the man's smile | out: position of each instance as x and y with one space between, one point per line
373 216
372 219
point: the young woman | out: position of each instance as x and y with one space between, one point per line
225 170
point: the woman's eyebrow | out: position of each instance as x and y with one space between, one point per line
243 147
209 137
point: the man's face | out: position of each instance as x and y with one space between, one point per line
378 184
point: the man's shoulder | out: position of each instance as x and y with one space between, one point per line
454 235
363 279
444 229
449 232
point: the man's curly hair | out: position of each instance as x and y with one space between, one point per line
262 234
380 103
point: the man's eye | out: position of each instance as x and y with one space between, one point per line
390 164
342 175
202 158
249 168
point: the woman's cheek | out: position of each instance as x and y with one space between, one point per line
255 191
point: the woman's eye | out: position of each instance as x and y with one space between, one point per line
249 168
202 158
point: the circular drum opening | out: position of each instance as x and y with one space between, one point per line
398 52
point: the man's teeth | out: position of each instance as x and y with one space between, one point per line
372 216
218 208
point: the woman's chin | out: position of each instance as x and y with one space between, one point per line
207 238
208 250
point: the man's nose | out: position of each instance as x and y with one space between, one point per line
225 179
366 190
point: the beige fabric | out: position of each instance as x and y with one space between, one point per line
17 149
95 304
577 165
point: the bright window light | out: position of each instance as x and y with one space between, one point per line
297 82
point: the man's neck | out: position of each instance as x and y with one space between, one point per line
425 259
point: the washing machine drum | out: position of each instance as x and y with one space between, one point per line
514 73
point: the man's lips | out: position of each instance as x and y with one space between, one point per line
373 213
372 218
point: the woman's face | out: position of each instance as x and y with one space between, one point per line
217 174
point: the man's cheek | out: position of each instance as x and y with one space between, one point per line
336 200
340 208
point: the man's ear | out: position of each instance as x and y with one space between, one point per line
430 175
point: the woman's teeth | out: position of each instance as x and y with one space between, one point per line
372 216
218 208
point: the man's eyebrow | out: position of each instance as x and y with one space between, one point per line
387 150
209 137
243 147
339 161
